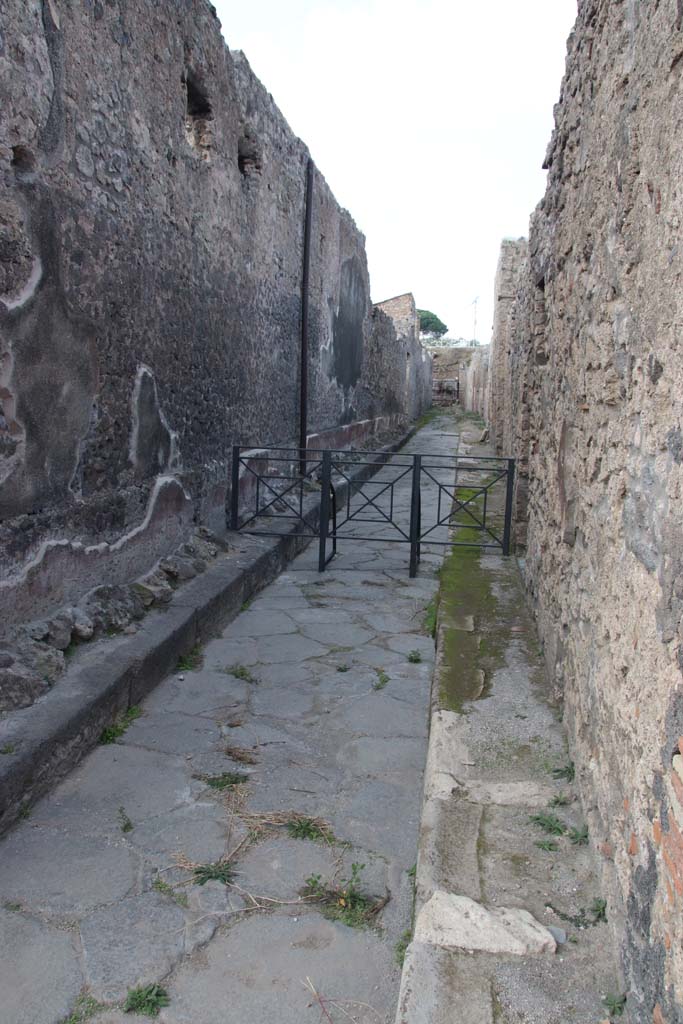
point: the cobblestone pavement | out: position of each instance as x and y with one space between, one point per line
318 694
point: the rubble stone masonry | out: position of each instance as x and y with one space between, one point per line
586 390
151 248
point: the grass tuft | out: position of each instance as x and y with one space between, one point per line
167 890
401 947
579 836
226 780
414 657
382 679
113 732
598 909
219 871
309 828
191 661
241 672
566 772
549 823
345 901
125 824
561 800
549 845
343 668
615 1005
430 616
147 1000
85 1009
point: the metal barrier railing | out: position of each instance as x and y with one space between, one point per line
279 483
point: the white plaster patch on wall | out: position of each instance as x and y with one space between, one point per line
28 290
63 570
8 406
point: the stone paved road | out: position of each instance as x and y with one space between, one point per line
312 692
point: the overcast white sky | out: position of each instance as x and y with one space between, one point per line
429 120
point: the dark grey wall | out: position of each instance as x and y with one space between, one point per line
151 232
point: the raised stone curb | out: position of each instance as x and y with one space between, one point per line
442 981
438 988
45 741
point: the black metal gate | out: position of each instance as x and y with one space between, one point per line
325 494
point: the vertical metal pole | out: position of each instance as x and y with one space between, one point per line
415 515
508 506
334 520
305 277
324 508
235 488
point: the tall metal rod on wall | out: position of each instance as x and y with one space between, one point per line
303 394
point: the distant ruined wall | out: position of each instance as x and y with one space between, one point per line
474 382
416 372
587 390
518 344
151 243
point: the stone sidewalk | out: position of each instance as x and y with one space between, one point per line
171 855
511 926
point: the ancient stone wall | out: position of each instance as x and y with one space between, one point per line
151 245
474 382
587 388
417 369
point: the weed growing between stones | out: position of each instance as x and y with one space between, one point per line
345 901
382 679
549 823
7 748
113 732
598 909
579 836
147 1000
85 1009
561 800
401 947
125 824
549 845
343 668
11 906
309 828
299 826
566 772
615 1005
219 871
226 780
167 890
192 661
414 657
597 912
430 615
240 672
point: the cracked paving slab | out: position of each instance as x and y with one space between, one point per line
307 704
